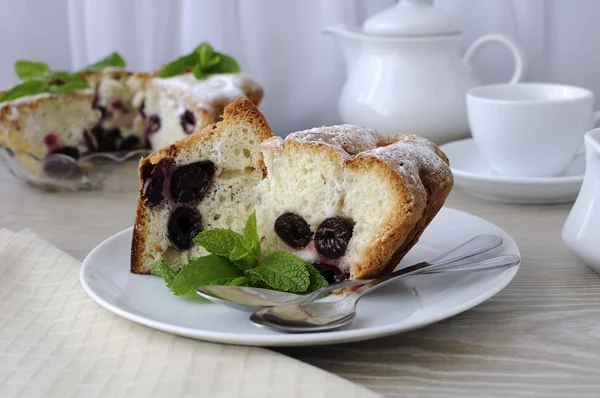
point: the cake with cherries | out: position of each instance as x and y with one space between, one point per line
204 181
349 200
174 107
120 111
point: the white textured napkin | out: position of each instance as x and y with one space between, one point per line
56 342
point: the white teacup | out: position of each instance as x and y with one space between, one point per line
530 129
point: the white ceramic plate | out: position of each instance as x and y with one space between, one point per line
394 308
472 173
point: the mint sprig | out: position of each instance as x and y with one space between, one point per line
202 62
113 60
38 78
234 261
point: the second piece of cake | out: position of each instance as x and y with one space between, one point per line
349 200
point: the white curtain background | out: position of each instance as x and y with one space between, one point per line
280 43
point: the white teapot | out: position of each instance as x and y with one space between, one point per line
406 73
581 232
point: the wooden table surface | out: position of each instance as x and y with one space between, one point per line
539 337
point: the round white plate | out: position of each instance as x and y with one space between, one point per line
394 308
472 173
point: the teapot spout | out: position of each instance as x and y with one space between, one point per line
350 41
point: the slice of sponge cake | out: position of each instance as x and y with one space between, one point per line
349 200
204 181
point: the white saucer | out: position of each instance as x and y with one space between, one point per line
395 308
472 173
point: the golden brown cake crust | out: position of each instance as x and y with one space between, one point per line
239 110
415 168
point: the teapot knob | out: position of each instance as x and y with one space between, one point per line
412 18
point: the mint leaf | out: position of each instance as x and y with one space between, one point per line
155 268
242 259
239 281
64 82
206 55
239 253
208 270
255 281
179 66
27 70
246 254
226 64
30 87
111 60
214 60
167 273
199 72
61 76
248 280
283 271
219 241
317 280
68 87
250 235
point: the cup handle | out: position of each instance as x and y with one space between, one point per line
513 46
595 121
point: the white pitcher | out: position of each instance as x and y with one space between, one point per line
406 73
581 232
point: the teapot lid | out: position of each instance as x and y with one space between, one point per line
412 18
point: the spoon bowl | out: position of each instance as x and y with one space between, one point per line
272 321
249 299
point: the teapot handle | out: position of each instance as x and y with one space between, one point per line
512 45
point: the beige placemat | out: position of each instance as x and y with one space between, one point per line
56 342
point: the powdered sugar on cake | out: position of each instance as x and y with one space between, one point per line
405 153
216 87
349 199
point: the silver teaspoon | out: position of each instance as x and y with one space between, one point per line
251 299
322 316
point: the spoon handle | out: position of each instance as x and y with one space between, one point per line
426 268
472 247
487 264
